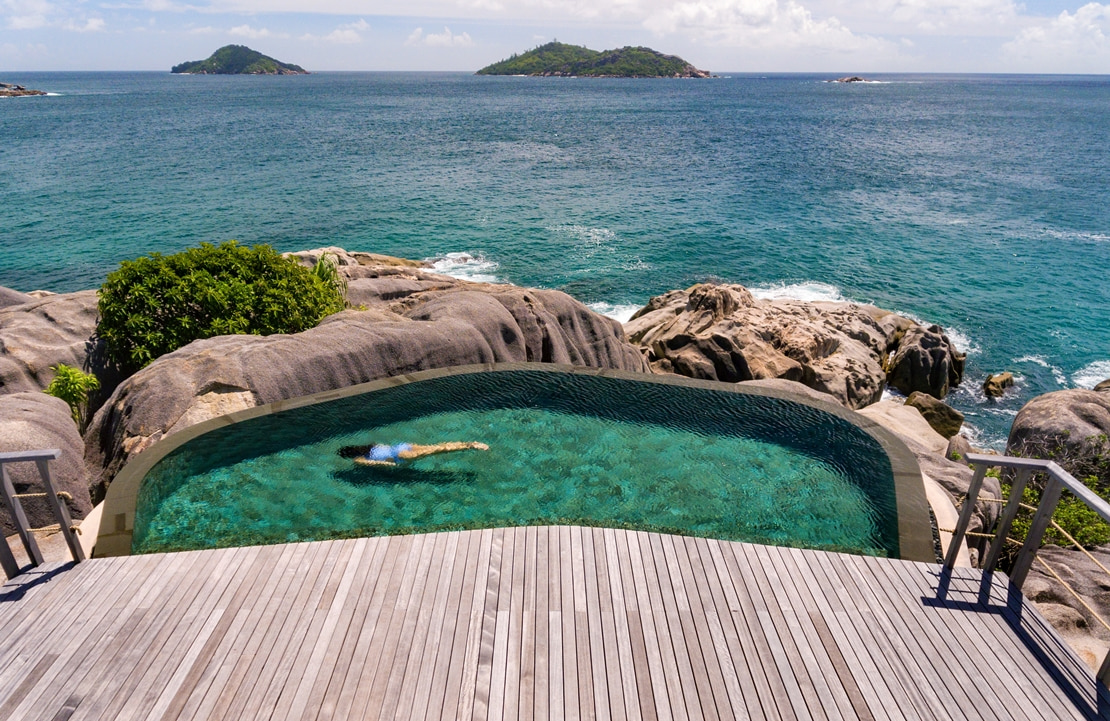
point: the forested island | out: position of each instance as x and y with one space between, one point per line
238 60
557 59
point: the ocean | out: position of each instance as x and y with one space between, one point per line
981 203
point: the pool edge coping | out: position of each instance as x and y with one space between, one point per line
915 539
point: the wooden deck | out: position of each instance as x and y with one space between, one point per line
528 623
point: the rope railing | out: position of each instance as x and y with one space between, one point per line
14 503
1057 480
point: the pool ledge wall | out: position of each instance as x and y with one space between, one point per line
915 536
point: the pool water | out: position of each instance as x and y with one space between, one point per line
564 449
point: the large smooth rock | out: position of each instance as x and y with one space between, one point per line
44 332
944 419
1071 427
926 361
34 421
721 332
9 297
929 448
995 385
459 324
1084 576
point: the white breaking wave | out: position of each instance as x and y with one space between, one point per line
619 311
1057 374
963 342
809 291
465 266
1091 375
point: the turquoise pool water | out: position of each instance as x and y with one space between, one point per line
564 449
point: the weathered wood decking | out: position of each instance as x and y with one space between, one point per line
529 623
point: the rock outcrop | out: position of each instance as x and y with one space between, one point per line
415 320
34 421
44 332
929 447
995 385
9 297
1103 386
927 361
721 332
944 419
10 90
1065 612
1072 427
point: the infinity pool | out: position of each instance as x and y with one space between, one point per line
565 448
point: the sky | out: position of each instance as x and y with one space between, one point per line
834 36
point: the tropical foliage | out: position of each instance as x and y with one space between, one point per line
156 304
237 60
73 386
557 58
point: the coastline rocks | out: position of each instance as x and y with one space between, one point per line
927 361
9 297
465 323
8 90
34 421
929 448
1077 624
995 385
44 332
849 79
944 419
1103 387
721 332
1070 427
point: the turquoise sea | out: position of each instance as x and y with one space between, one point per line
978 202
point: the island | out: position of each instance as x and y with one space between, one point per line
237 60
8 90
557 59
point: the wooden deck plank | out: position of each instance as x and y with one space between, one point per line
213 680
544 623
641 658
600 648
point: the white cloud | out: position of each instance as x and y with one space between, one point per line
766 23
1070 42
26 14
91 25
343 35
445 39
246 31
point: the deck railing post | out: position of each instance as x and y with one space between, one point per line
1049 498
7 560
19 518
1007 519
61 512
965 515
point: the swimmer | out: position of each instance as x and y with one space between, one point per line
377 454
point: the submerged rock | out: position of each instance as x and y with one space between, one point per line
721 332
415 320
34 421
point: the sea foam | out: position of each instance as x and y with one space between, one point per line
465 266
1091 375
1057 374
810 291
620 311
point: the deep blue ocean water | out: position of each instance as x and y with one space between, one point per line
978 202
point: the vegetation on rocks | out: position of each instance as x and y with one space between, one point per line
238 60
156 304
73 386
557 58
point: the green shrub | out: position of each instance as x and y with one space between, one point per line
156 304
73 386
1073 515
